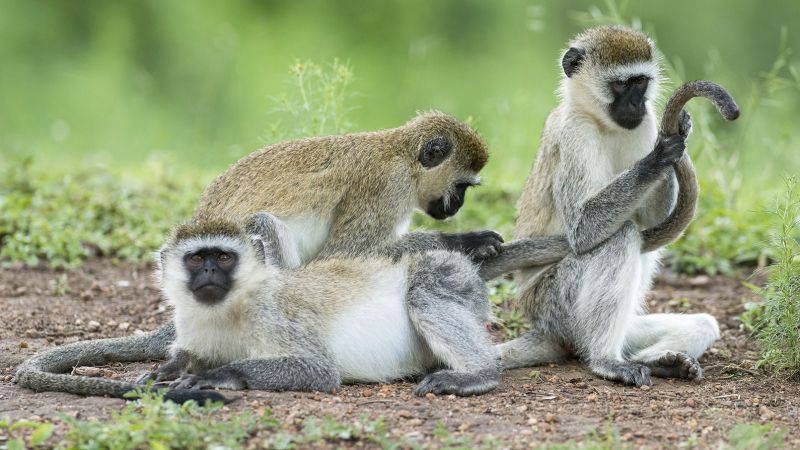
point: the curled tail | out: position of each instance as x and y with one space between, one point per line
46 371
683 213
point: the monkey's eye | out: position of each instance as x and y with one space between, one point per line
224 258
640 82
618 87
196 260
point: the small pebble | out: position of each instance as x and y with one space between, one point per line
93 325
690 402
644 387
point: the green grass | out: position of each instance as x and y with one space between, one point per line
151 422
776 321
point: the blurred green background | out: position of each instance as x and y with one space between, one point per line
186 88
119 82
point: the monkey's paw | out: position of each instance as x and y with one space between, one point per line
629 373
480 245
207 380
458 383
677 365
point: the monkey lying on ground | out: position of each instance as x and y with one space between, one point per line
597 180
243 321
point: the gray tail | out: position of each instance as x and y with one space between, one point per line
46 371
683 213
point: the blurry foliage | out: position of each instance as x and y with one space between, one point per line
103 88
776 321
316 104
63 219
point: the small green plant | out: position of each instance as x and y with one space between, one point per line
152 422
776 322
755 437
21 434
317 103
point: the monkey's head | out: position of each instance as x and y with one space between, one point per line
613 74
211 262
448 155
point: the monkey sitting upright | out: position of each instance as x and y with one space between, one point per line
601 176
244 321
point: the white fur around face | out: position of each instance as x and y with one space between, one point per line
374 340
197 324
588 91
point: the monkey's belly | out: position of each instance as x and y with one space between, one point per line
373 340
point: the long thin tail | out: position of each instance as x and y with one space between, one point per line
45 371
683 213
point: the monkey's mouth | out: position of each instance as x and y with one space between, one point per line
437 210
210 294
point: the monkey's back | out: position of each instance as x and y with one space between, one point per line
298 177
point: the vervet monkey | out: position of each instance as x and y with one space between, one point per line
243 320
604 175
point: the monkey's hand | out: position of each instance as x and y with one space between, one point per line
220 378
668 151
479 245
685 125
163 373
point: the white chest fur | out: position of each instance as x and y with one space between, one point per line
309 234
374 340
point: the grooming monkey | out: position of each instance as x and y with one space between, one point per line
354 194
602 175
448 156
242 320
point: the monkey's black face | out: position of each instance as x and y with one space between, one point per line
628 108
439 211
210 274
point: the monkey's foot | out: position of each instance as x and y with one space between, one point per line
458 383
479 245
207 380
629 373
676 365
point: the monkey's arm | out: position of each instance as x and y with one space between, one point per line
477 244
591 218
523 254
45 370
658 205
287 373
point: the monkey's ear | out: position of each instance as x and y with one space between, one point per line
572 60
434 152
162 258
260 248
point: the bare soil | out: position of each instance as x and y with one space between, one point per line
40 308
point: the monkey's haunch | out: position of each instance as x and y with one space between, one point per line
683 213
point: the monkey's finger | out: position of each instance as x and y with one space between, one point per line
685 124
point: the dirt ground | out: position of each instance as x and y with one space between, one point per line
41 308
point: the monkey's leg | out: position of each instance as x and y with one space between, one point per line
604 288
548 313
288 373
671 343
533 348
448 307
524 253
478 245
